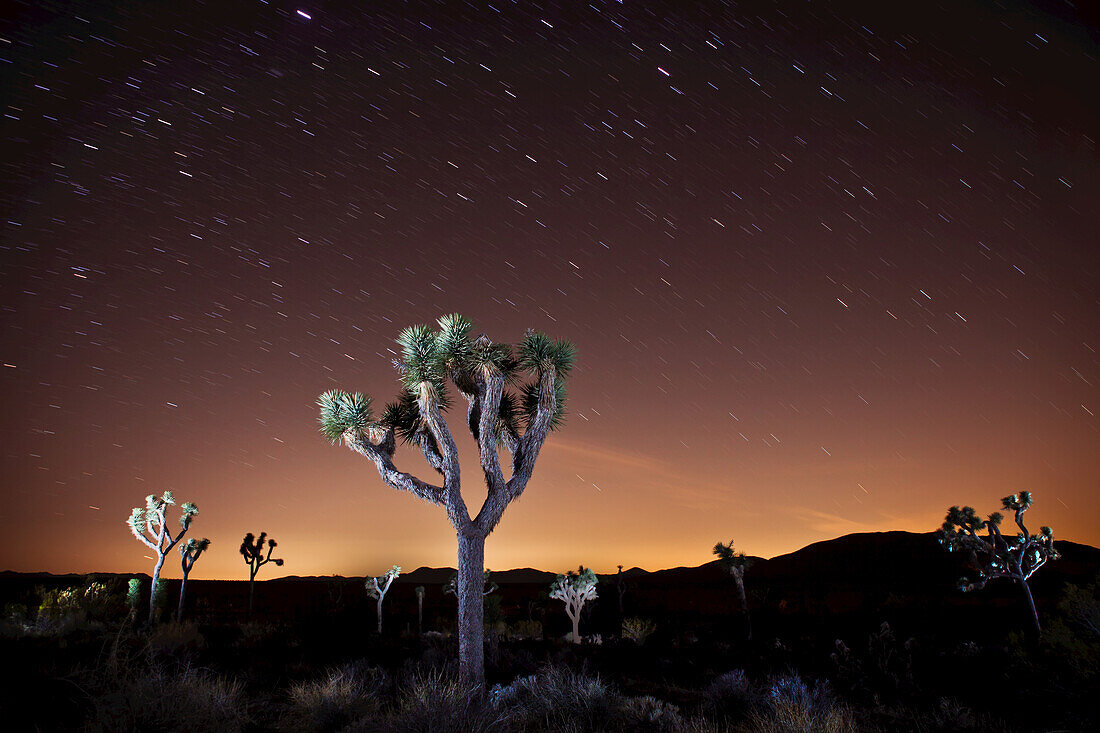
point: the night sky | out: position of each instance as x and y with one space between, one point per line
829 267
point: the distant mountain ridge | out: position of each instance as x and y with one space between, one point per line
856 559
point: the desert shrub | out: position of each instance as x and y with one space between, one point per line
67 608
526 630
171 702
793 705
556 699
728 697
180 641
638 630
437 703
649 714
343 696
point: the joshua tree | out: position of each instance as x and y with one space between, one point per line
189 554
487 583
574 588
133 597
621 586
252 550
735 563
150 526
993 556
502 410
378 587
419 609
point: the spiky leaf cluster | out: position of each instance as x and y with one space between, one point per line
430 357
576 582
343 413
538 353
730 559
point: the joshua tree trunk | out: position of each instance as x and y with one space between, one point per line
471 609
153 591
251 589
739 579
420 615
576 619
378 608
183 589
1031 607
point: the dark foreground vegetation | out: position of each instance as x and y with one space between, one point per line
827 654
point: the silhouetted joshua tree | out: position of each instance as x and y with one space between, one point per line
150 526
573 589
252 550
189 555
735 564
622 587
378 587
995 556
419 609
502 411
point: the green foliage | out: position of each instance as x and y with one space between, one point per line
343 413
133 593
92 602
577 581
539 353
638 630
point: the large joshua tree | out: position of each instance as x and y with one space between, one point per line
189 555
994 556
379 586
735 564
150 526
573 589
252 550
514 399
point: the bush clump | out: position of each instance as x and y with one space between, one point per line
345 695
172 702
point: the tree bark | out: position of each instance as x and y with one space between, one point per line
420 615
576 619
379 608
739 579
153 590
1031 607
251 588
183 589
471 610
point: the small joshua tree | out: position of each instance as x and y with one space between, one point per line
735 563
252 550
514 400
419 609
994 556
378 587
573 589
133 597
150 527
622 587
189 555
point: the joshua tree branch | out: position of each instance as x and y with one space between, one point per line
383 460
452 481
